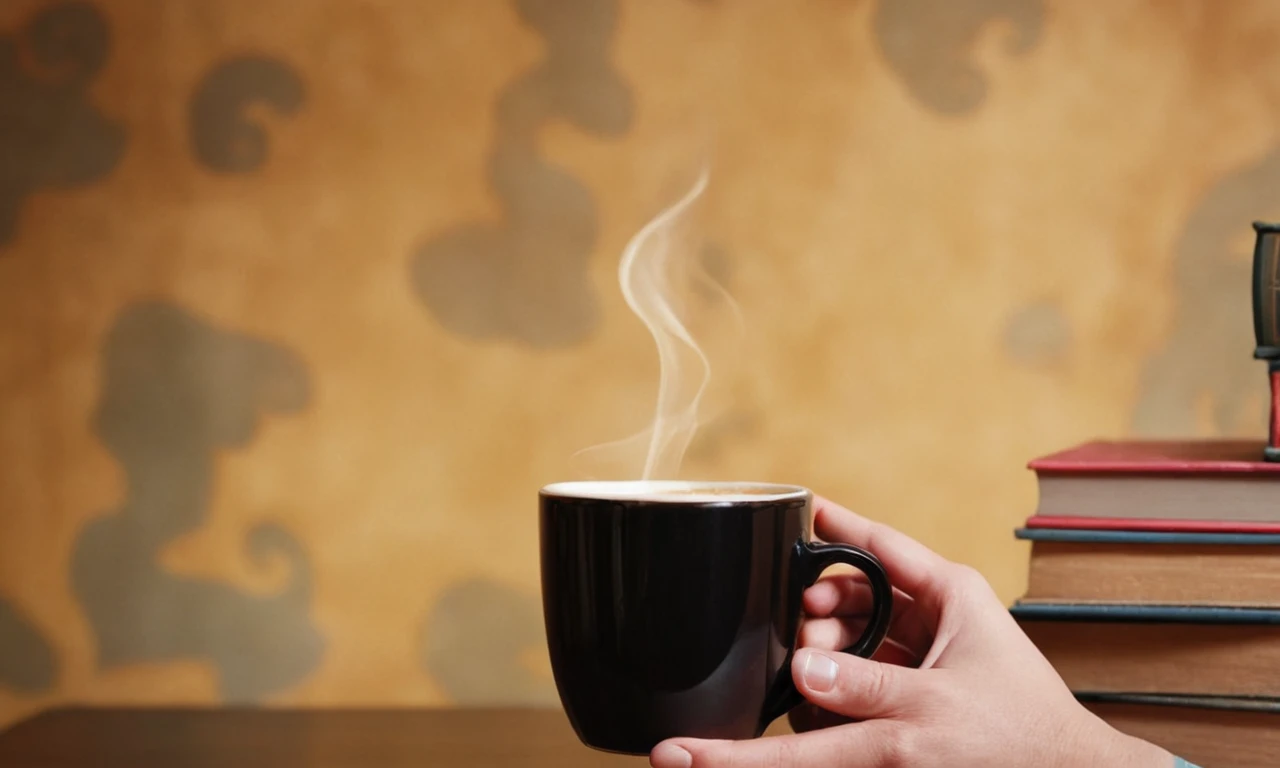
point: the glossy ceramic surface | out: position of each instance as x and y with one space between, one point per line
675 613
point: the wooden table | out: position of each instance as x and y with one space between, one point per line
437 738
258 738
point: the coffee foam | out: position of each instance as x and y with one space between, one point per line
675 491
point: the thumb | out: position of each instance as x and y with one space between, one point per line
856 687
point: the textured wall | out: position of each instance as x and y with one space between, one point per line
300 305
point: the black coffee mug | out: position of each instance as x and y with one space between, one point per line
673 608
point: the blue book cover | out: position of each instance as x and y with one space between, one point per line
1233 703
1173 614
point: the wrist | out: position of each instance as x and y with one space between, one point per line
1136 753
1100 744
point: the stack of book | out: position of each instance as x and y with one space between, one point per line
1154 590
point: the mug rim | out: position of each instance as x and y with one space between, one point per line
719 492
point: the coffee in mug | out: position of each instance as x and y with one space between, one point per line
672 608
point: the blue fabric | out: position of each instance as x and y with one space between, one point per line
1180 763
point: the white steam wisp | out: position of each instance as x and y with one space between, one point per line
656 273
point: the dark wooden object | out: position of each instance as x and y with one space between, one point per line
1266 320
258 738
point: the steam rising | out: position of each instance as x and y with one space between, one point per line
657 274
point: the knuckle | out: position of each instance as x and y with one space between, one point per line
968 576
967 582
870 683
818 633
786 753
898 749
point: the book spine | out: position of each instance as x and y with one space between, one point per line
1272 451
1144 613
1133 524
1230 703
1104 536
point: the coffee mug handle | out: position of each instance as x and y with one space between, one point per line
811 559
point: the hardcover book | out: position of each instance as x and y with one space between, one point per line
1152 567
1175 485
1222 732
1189 650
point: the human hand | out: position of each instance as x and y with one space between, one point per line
957 683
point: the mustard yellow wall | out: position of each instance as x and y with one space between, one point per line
301 302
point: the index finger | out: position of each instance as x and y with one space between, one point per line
912 567
857 745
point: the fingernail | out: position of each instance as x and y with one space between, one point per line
818 671
670 756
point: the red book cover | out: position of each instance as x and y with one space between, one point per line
1150 525
1162 457
1220 485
